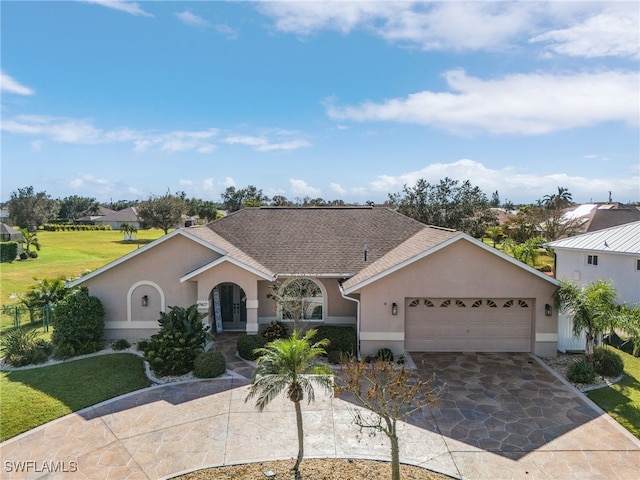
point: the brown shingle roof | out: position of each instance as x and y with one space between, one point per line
315 241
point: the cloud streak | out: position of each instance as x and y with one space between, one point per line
523 104
132 8
83 132
10 85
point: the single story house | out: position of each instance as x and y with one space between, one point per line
402 284
117 218
611 254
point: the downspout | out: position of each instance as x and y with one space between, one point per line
357 320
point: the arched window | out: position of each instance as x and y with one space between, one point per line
301 299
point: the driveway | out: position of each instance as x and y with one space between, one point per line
501 416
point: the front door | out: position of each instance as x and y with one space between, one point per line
233 307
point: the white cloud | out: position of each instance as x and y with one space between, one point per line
526 104
37 145
82 131
262 144
337 188
132 8
301 188
585 29
86 180
612 32
9 85
511 184
206 189
192 19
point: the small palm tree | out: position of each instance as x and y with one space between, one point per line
291 364
30 239
127 230
591 307
495 233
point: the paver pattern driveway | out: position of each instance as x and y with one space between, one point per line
500 416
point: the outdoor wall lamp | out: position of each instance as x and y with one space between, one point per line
394 308
547 310
145 300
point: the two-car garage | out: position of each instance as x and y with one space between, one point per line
468 325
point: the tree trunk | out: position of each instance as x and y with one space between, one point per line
395 453
588 350
296 467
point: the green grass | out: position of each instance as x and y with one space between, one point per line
33 397
68 255
622 400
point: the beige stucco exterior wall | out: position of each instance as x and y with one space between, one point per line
156 273
461 270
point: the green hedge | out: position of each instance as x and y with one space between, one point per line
8 251
56 227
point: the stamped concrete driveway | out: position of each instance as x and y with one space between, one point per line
500 417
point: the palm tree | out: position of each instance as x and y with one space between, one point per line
559 200
30 239
127 230
291 364
495 233
590 306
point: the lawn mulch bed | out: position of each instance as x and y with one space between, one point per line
315 469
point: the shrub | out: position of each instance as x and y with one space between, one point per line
23 347
209 365
275 330
121 344
33 254
24 256
342 339
248 343
78 323
181 339
335 357
581 372
8 251
63 352
142 345
606 362
385 354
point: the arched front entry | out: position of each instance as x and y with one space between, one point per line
229 302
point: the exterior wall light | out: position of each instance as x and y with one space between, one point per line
394 308
145 300
547 310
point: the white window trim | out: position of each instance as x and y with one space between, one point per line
591 264
323 302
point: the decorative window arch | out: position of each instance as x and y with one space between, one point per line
302 298
139 284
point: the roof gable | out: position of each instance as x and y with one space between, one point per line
425 243
623 239
141 250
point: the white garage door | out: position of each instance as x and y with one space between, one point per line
468 325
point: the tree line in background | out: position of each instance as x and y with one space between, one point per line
448 203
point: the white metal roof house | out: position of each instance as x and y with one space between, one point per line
611 254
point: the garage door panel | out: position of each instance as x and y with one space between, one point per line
449 325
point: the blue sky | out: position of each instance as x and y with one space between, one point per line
349 100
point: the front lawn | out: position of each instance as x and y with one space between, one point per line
622 400
29 398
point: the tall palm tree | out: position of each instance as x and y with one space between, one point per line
291 364
590 306
558 200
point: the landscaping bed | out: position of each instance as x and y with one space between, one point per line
563 361
315 469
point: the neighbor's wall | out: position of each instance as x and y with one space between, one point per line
461 270
155 273
571 265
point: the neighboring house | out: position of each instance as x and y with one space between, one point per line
9 234
611 254
400 283
596 216
116 219
4 215
91 219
